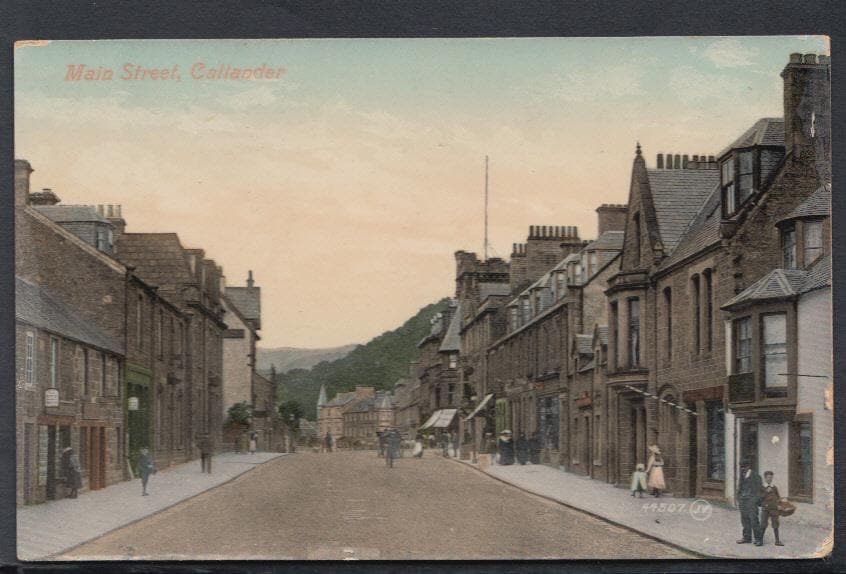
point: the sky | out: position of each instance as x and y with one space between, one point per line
347 183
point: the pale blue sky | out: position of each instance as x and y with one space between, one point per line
366 156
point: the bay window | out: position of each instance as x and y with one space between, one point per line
745 180
634 332
727 176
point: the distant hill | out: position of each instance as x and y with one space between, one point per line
289 358
379 363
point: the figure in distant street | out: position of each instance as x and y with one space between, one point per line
327 442
655 471
244 442
748 490
394 444
418 446
535 448
146 467
204 444
383 440
444 444
522 449
490 444
506 448
638 486
253 441
770 499
72 471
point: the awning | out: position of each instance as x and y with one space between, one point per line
479 407
440 419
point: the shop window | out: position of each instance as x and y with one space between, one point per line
774 352
742 346
813 242
788 248
801 443
634 332
715 415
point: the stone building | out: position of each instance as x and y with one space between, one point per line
699 234
438 367
241 382
331 416
68 395
70 352
365 417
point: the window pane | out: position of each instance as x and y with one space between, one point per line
731 205
743 346
746 162
805 458
788 242
813 241
775 350
745 187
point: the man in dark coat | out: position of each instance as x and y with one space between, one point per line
769 508
535 448
506 448
748 490
72 472
522 449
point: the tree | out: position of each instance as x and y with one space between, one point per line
239 414
288 408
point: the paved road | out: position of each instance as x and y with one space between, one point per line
349 505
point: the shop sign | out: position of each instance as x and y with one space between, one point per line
51 398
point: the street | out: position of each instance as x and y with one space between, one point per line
351 506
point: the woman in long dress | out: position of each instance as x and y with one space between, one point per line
655 470
418 446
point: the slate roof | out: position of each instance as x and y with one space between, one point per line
247 299
452 339
608 241
361 405
703 231
678 195
384 401
341 399
37 307
158 258
70 213
783 283
817 205
766 131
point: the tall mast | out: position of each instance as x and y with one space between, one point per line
486 208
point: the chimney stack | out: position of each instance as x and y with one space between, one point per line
118 223
44 197
22 173
611 217
807 108
250 282
659 161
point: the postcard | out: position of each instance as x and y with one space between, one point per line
423 299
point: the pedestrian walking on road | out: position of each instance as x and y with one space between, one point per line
444 444
535 448
770 500
418 446
655 470
383 441
506 448
204 444
748 492
394 444
327 442
253 437
522 449
638 485
146 467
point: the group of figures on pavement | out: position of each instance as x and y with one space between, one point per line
752 494
522 450
650 478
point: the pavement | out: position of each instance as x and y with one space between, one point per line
699 526
48 529
351 506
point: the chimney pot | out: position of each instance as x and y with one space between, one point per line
796 58
823 59
809 59
677 161
685 159
711 159
659 161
